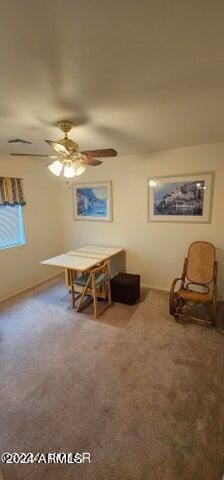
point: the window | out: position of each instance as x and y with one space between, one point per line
11 226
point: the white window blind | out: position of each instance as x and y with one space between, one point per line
11 226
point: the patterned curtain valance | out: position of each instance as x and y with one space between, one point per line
11 191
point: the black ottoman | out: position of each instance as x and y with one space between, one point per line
125 288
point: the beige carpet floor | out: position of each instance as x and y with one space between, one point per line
140 392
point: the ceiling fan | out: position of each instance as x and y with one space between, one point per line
68 159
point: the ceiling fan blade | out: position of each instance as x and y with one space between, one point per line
57 147
19 140
106 152
28 155
93 162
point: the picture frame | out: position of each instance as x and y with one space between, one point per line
185 198
92 201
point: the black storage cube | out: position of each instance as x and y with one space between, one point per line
125 288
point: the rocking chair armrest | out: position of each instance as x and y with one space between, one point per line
214 291
179 279
215 273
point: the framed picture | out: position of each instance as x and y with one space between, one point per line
93 201
184 198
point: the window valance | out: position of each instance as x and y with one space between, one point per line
11 191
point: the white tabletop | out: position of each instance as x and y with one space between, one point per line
83 258
109 251
77 253
72 262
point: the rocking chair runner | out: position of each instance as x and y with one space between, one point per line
197 283
94 284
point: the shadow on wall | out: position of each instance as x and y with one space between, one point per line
220 260
118 263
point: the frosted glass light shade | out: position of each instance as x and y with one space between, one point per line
80 169
69 171
56 167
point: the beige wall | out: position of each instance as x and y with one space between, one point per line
20 266
154 250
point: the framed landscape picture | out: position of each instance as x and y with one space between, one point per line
93 201
184 198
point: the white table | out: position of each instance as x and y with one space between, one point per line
82 259
94 249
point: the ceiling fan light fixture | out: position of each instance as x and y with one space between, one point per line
56 167
69 171
68 160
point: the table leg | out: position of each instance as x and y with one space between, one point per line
69 275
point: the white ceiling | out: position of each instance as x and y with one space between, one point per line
136 75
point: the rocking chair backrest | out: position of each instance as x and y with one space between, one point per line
200 263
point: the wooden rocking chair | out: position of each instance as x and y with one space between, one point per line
197 283
93 285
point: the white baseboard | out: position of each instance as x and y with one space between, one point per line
154 287
33 285
163 289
